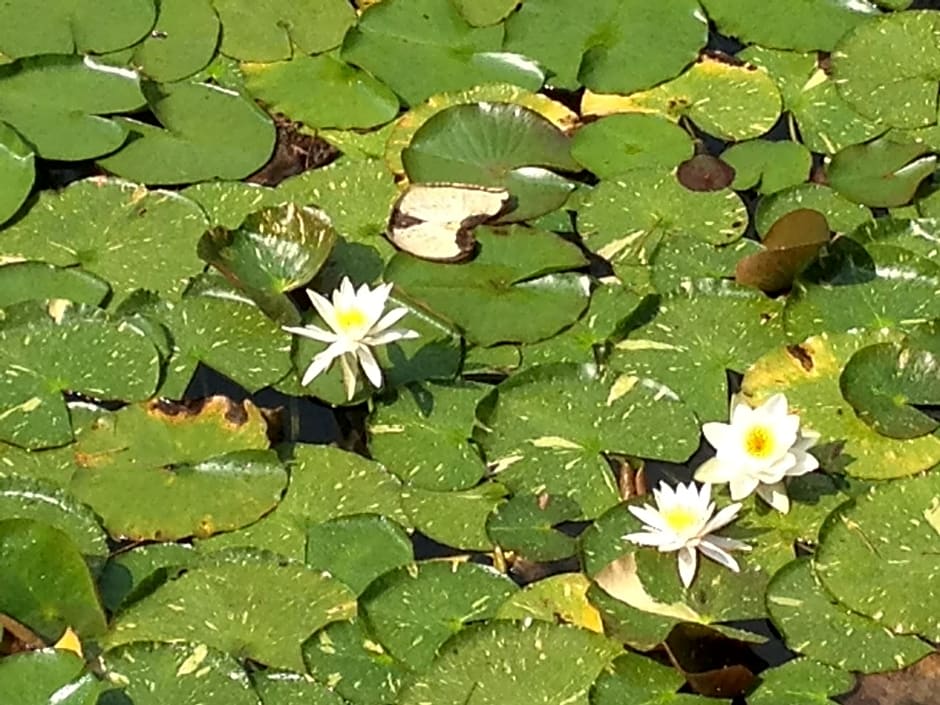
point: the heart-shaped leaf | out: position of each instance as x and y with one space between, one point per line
881 173
182 42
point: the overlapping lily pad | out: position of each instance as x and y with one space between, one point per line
36 677
182 41
16 171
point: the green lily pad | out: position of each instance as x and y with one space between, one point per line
455 519
481 13
886 68
826 631
616 47
800 680
73 26
182 42
414 610
726 98
46 676
618 143
128 236
499 145
881 173
381 546
919 235
56 104
45 583
423 436
27 498
562 596
791 24
228 203
154 674
30 280
509 663
226 604
808 374
638 680
842 215
526 524
878 550
422 47
321 91
208 132
17 171
682 258
515 290
272 31
283 688
47 351
274 250
768 166
694 335
129 576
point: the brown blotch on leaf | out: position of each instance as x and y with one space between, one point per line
294 152
802 356
704 172
915 685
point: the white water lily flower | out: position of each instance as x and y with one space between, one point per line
359 323
682 521
757 450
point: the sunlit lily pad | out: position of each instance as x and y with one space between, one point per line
881 173
284 688
901 520
562 596
808 374
826 631
182 41
619 143
226 604
842 215
526 525
455 518
481 13
41 677
17 171
639 680
23 281
768 166
801 680
134 574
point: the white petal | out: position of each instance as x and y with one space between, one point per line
649 516
645 538
389 319
312 332
775 406
776 496
323 308
804 463
807 440
390 336
717 434
742 486
776 471
719 556
726 544
370 366
321 361
349 375
741 411
715 471
687 564
722 518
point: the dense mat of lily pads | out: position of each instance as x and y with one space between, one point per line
596 217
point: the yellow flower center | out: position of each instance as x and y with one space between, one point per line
759 442
350 319
680 519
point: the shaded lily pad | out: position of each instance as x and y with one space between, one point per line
526 524
182 41
456 519
803 680
638 680
808 374
826 631
134 574
881 173
619 143
45 676
415 609
842 215
768 166
30 280
900 518
225 604
17 171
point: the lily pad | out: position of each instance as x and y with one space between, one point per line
486 12
45 676
617 46
56 104
515 290
415 609
17 171
153 674
826 631
639 680
45 582
802 680
129 236
886 68
270 32
283 688
129 576
790 245
321 91
208 132
768 166
422 47
30 280
808 374
619 143
526 525
879 548
423 436
881 173
225 604
73 26
842 215
557 597
508 663
497 145
455 519
182 42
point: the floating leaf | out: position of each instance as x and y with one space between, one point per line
25 281
526 525
704 172
790 244
182 42
64 597
509 292
726 98
17 171
885 68
153 674
272 31
283 688
129 576
638 680
131 237
208 132
481 13
880 173
617 46
920 235
415 609
73 26
877 550
842 215
808 374
47 676
454 518
618 143
226 604
497 145
768 166
56 102
562 596
422 47
682 258
321 91
801 680
826 631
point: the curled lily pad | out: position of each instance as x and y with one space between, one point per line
768 166
25 281
425 47
198 607
16 171
498 145
619 143
881 173
791 244
842 215
182 42
38 677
